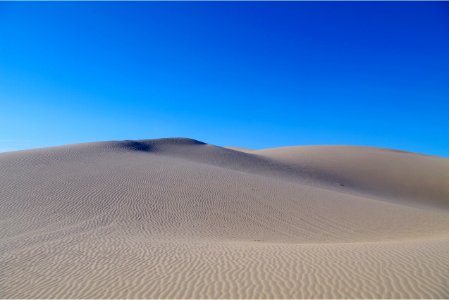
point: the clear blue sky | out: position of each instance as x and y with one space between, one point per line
247 74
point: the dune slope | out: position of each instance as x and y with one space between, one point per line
179 218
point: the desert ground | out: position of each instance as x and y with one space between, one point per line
178 218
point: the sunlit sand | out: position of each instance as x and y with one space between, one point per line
178 218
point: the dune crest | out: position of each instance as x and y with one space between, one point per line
180 218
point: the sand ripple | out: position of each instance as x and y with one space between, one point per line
177 218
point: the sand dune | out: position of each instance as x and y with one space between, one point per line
179 218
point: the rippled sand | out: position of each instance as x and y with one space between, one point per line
178 218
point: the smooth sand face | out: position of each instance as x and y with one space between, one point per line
178 218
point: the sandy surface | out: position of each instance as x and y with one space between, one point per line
178 218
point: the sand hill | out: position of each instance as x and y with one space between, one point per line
179 218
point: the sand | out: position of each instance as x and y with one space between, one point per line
178 218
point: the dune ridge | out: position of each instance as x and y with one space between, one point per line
179 218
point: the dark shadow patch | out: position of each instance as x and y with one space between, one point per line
137 146
179 141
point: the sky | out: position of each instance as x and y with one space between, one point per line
249 74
